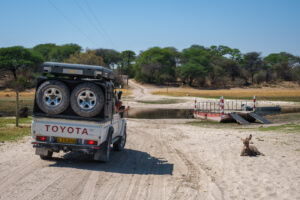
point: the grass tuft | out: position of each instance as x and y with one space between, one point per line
286 128
13 133
4 121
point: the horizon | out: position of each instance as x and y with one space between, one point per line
138 26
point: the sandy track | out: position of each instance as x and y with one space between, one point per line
140 172
164 159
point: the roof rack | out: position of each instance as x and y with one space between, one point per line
88 71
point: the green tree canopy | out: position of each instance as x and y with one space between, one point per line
45 49
126 66
156 65
89 57
252 62
63 52
110 56
195 63
14 58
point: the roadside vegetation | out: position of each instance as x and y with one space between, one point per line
195 67
9 132
284 128
272 94
8 101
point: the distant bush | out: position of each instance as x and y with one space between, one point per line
260 77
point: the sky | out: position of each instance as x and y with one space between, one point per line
266 26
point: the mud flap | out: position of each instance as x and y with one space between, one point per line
41 151
100 155
97 155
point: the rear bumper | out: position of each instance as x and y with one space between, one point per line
66 147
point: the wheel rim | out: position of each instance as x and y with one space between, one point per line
52 97
86 100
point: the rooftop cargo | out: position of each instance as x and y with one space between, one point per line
88 71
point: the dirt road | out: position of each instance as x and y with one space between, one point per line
163 159
150 168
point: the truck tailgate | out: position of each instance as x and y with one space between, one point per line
67 128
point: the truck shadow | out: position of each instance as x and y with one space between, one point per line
128 161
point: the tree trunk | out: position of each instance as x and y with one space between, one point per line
17 108
14 72
190 82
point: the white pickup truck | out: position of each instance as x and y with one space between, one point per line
62 119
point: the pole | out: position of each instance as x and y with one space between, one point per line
195 105
222 106
254 103
17 108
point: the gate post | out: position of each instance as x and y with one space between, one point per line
195 106
222 106
254 103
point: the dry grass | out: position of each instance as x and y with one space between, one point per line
280 94
13 133
126 92
8 104
8 94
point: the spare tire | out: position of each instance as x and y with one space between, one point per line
53 97
87 100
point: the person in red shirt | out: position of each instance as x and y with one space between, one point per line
119 108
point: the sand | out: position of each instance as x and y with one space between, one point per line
163 159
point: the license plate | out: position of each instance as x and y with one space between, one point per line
66 140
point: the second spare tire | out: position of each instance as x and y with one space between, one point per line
87 100
53 97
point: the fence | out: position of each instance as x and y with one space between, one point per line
222 106
8 107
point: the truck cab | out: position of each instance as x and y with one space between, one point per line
74 110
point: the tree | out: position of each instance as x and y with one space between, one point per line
45 49
191 70
53 52
110 57
196 63
12 59
281 64
126 64
156 65
128 57
222 50
89 57
231 68
252 62
63 52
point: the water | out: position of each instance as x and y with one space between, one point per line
154 113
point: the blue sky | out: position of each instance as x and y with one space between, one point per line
266 26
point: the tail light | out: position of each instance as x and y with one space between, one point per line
41 138
91 142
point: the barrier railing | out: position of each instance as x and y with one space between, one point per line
222 106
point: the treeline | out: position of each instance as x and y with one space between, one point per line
217 66
196 66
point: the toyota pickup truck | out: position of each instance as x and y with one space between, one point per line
74 110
